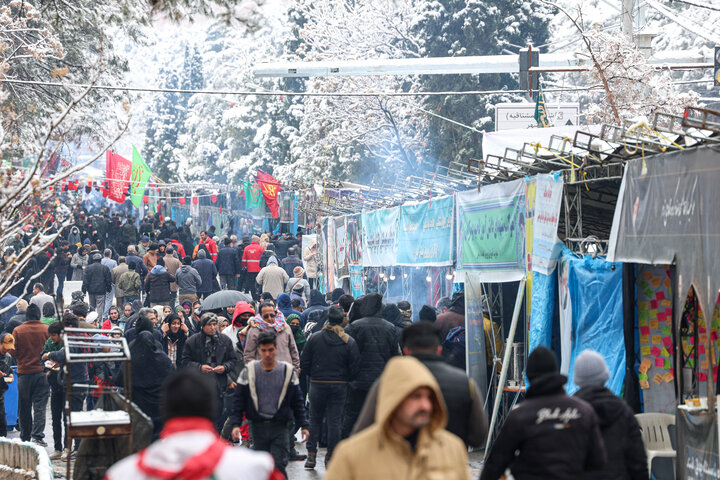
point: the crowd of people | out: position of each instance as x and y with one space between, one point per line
388 397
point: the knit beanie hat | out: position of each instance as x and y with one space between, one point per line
541 362
427 313
207 318
590 370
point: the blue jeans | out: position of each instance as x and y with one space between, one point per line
326 400
61 284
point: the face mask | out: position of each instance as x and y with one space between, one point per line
294 328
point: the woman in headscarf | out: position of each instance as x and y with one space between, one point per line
269 318
175 333
149 367
78 263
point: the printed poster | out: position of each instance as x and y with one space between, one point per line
341 257
490 232
426 233
354 238
380 230
546 214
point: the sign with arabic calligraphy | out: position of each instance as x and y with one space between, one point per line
490 231
426 230
514 116
380 237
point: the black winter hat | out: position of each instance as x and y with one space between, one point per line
427 313
143 324
32 312
541 362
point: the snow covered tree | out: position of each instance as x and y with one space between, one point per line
464 28
165 119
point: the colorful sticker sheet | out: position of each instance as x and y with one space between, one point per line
692 353
654 311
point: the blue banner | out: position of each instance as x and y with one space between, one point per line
426 233
380 237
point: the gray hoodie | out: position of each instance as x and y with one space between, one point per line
188 280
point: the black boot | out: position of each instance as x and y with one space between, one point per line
310 462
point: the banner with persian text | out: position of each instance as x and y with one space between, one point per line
380 230
545 250
490 231
426 231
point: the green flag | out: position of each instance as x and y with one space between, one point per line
138 178
540 111
253 196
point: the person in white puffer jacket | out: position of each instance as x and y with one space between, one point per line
189 446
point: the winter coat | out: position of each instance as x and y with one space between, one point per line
177 452
251 257
317 311
193 356
273 279
97 279
188 280
378 452
283 245
78 263
150 259
286 349
265 257
376 339
172 265
292 402
466 416
62 262
448 320
558 437
157 284
211 247
298 284
227 261
330 356
115 275
130 283
208 272
626 458
311 258
289 263
140 267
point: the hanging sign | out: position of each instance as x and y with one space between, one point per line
380 230
490 231
426 233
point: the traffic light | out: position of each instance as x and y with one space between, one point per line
716 74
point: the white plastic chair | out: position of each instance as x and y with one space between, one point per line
656 436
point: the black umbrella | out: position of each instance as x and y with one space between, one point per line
224 299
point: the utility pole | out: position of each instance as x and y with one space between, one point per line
627 18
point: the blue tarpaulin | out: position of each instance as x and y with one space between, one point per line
597 314
541 314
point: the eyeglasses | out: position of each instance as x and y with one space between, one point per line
269 315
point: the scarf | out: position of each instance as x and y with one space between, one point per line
278 325
211 343
337 330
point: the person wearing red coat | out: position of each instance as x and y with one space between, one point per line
251 264
209 244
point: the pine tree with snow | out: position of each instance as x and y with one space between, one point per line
164 121
465 28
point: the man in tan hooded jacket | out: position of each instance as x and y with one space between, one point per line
408 439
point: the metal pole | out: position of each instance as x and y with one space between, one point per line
627 18
506 363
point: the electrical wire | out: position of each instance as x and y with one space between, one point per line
308 94
699 5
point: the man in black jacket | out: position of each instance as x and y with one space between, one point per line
331 359
157 284
466 415
549 435
269 395
228 265
211 354
620 430
97 282
377 341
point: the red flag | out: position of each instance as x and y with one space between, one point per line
270 187
117 172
